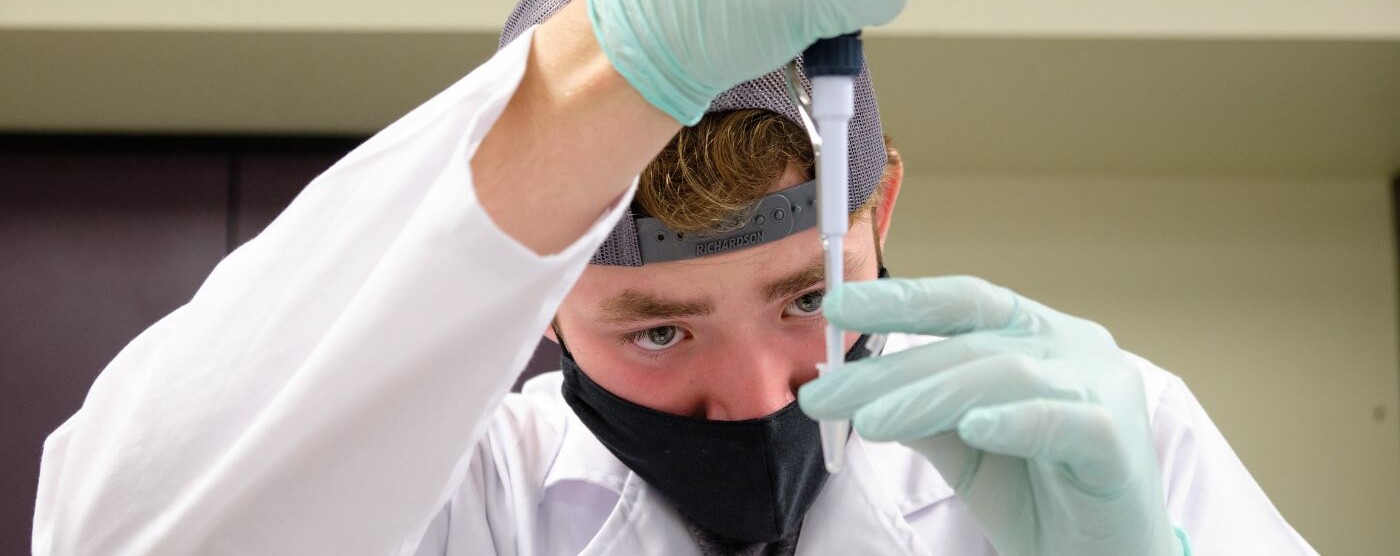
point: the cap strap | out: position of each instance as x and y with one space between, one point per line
775 217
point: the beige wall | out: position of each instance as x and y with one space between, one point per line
1254 18
1273 297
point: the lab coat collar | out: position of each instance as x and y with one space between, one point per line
642 523
581 456
855 500
857 513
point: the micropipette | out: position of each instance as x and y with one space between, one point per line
832 66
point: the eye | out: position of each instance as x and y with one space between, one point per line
809 304
656 338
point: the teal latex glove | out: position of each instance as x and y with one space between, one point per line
1035 417
681 54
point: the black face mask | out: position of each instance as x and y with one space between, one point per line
749 480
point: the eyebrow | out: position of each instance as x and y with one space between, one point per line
811 274
632 306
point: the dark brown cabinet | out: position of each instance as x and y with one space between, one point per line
100 238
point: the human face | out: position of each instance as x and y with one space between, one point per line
723 337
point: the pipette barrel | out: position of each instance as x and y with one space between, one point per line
832 66
832 108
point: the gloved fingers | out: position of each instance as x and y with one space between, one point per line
840 394
940 306
937 403
953 458
1082 436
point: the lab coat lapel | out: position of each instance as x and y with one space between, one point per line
854 514
642 523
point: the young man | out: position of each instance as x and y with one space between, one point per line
338 386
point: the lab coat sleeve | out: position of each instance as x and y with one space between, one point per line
322 392
1210 494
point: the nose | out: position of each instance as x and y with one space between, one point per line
751 380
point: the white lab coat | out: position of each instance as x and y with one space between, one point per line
339 386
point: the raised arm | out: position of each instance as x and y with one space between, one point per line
572 139
321 391
318 393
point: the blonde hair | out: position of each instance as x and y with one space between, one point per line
720 167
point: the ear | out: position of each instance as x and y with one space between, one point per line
889 193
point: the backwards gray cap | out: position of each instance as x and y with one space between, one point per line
638 239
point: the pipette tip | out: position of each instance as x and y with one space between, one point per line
833 437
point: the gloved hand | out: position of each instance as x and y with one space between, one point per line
1035 417
680 54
